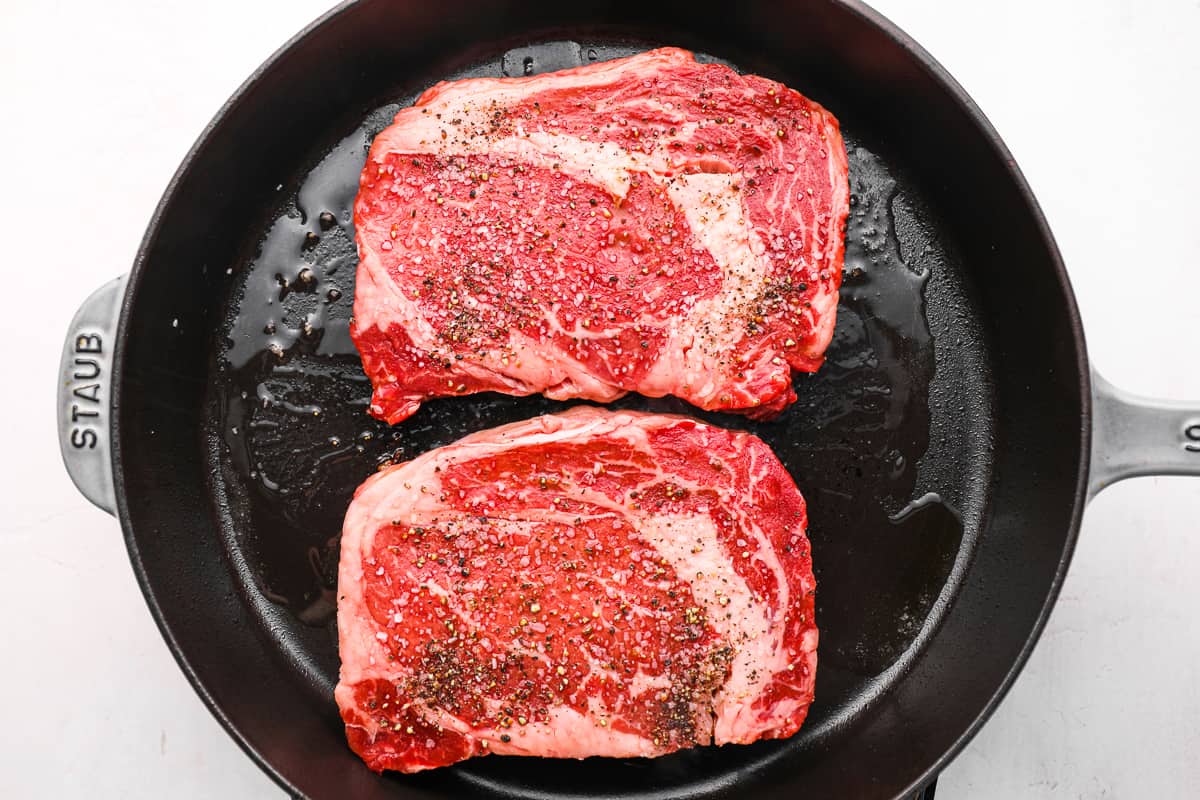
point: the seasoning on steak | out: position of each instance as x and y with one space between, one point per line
650 224
591 583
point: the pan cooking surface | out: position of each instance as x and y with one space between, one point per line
895 485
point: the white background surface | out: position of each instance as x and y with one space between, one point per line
1099 102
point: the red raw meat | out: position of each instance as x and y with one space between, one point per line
591 583
650 224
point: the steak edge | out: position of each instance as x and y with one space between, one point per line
583 584
649 224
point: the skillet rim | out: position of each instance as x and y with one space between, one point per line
866 14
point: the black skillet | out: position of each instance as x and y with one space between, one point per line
212 400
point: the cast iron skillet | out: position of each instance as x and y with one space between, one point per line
944 448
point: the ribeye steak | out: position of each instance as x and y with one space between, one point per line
650 224
591 583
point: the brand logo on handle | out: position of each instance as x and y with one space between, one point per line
86 402
1192 435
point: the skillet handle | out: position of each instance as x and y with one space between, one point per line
1133 436
84 394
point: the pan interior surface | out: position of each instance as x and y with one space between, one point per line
942 488
871 442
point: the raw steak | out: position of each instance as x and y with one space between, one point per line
584 584
650 224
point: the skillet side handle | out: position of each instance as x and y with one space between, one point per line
84 394
1134 436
